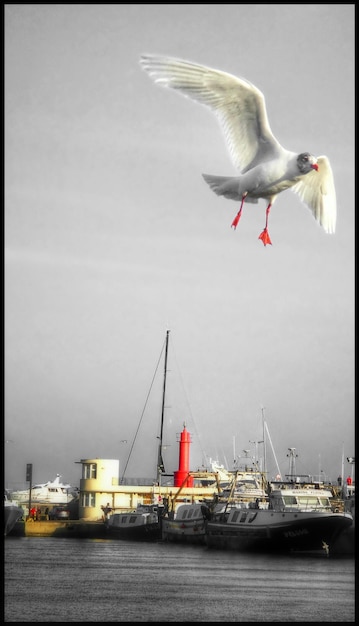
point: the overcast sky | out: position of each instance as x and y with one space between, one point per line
112 238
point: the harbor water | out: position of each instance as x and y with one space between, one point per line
89 580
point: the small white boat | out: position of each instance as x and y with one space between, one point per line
294 518
142 524
12 513
52 492
187 525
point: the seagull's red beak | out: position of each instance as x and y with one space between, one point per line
315 167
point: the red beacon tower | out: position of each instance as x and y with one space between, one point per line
183 465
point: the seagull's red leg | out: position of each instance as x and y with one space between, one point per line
238 216
264 236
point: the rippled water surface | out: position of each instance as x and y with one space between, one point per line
69 580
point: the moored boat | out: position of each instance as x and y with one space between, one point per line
294 518
12 513
142 524
345 543
52 492
187 523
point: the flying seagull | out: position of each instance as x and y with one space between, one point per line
266 168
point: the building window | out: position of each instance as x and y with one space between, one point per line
89 470
88 499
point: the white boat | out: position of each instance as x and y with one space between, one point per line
142 524
294 518
187 525
52 492
12 513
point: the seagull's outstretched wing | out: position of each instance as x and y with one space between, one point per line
238 105
317 191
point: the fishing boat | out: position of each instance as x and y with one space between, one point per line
345 544
142 524
12 513
293 518
52 492
187 523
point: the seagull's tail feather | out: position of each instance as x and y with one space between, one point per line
227 186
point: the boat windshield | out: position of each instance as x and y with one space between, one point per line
306 501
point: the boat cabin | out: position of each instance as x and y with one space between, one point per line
195 511
142 515
300 500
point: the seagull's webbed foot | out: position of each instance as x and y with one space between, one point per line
238 216
236 219
264 236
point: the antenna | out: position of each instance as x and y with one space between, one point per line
292 468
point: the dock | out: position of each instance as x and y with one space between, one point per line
76 529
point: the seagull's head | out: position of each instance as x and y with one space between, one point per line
307 162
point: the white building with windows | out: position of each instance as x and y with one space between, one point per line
99 478
100 489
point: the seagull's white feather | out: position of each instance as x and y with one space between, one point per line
266 167
238 104
317 191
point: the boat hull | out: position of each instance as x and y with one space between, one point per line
144 524
53 492
187 525
193 532
147 532
12 513
278 532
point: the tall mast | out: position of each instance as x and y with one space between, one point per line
264 445
160 465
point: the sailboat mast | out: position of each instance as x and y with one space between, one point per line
160 466
264 469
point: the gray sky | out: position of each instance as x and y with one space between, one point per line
112 237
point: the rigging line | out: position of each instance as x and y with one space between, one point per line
203 453
273 452
142 414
